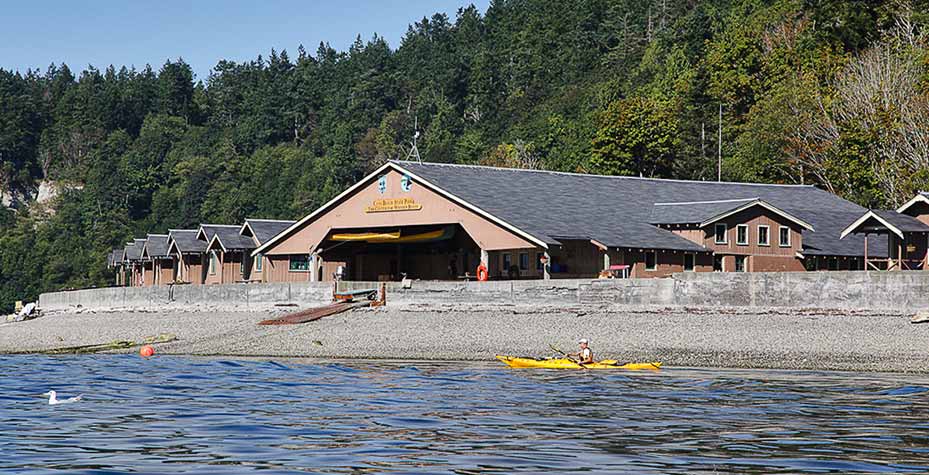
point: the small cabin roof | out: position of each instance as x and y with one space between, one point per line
881 221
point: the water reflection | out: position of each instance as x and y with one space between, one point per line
171 415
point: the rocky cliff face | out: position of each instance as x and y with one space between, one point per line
44 194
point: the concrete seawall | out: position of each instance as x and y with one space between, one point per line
897 291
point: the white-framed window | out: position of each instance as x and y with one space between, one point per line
741 234
299 263
764 237
689 262
651 260
259 261
214 262
783 236
523 261
721 230
740 263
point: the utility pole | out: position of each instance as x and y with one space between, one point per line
719 159
703 140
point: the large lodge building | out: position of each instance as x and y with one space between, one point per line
457 222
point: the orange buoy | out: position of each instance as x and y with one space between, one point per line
147 351
482 272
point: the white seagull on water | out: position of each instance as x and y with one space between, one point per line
53 398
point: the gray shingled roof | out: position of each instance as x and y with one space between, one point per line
616 210
185 240
230 238
265 229
156 246
114 257
209 230
133 251
903 222
690 212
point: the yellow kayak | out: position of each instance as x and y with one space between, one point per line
565 363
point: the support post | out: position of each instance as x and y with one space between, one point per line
485 259
606 259
546 269
866 252
900 261
315 264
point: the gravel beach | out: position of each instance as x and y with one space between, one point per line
747 338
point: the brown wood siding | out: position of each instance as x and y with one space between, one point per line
148 277
192 269
668 262
775 264
754 218
213 276
165 271
770 258
232 267
277 269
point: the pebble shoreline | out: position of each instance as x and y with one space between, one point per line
677 336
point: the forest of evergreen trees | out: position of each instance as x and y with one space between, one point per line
824 92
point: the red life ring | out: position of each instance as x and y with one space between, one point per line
481 272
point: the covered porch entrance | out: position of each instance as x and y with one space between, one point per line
907 240
426 252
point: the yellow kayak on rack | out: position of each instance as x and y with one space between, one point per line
565 363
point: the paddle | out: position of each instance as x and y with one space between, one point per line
554 348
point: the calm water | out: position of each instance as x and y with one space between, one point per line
174 415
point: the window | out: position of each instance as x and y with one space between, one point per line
507 261
651 260
741 234
523 261
688 262
538 261
784 236
721 230
299 263
740 263
833 263
763 238
259 261
214 262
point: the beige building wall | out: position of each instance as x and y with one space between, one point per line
433 209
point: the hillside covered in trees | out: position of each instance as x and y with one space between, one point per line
825 92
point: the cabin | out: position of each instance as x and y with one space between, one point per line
155 252
451 222
261 231
114 262
229 254
187 253
132 255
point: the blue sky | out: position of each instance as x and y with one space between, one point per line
34 34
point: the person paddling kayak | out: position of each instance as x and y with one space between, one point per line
585 356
